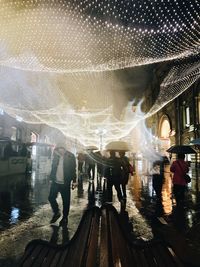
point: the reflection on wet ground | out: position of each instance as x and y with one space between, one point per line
25 211
184 217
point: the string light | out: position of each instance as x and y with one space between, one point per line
87 35
58 59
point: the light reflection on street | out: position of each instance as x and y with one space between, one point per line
14 216
25 211
167 191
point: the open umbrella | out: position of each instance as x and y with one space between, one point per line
118 146
184 149
195 141
91 148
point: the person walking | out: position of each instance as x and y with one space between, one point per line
91 165
23 151
63 172
113 173
157 182
179 168
81 160
127 169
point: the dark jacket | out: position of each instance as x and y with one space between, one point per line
125 170
113 170
69 167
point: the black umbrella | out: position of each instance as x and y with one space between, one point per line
184 149
195 141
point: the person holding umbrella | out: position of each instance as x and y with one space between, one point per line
179 168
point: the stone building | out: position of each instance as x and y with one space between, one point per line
18 130
178 122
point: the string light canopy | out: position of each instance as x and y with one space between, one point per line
58 58
96 35
180 77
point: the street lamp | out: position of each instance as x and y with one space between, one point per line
101 132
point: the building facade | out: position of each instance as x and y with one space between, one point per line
178 122
17 130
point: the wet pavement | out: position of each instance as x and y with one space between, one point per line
25 211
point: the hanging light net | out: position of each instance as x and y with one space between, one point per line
58 60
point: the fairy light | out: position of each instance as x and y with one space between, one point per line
78 35
179 79
57 59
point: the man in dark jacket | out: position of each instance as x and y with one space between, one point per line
63 172
113 173
127 168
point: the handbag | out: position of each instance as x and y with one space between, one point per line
185 176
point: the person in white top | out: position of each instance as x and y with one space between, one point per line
63 178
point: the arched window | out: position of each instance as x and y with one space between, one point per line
164 133
34 137
13 133
165 128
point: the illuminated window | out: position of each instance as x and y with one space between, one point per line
187 116
33 137
165 129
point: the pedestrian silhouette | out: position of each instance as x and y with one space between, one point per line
179 168
113 174
90 162
126 170
62 174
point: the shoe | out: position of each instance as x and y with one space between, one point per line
64 221
55 217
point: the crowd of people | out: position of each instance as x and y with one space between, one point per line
116 169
